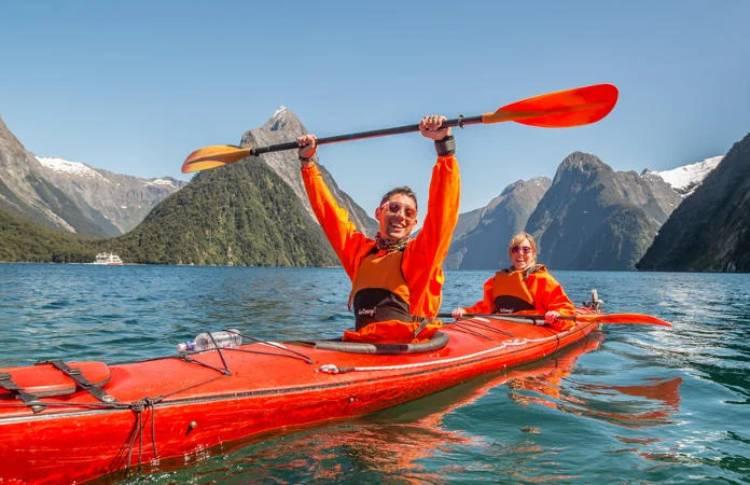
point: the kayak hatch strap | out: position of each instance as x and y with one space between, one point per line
80 380
486 326
294 355
226 370
471 331
6 382
191 360
275 345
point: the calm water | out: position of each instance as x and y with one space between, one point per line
629 405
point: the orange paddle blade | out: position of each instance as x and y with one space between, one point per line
626 319
572 107
213 156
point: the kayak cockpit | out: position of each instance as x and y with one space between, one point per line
437 342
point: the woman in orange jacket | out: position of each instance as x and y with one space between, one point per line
525 287
397 281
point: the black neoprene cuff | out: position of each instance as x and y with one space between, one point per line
446 146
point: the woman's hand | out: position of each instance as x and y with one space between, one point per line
552 318
458 313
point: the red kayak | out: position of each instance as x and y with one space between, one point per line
72 422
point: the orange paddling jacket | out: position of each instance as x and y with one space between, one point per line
413 278
530 291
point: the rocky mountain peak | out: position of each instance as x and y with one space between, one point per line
582 161
282 127
580 167
594 217
283 119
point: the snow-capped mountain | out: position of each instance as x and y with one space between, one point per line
73 196
709 230
686 178
123 200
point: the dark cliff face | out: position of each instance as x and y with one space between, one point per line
25 194
593 217
710 231
242 214
484 245
284 126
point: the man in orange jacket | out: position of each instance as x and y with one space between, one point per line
397 281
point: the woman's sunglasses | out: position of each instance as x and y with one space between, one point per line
521 249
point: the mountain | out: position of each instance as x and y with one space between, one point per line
72 196
468 221
284 126
242 214
710 231
686 178
594 218
26 194
123 201
484 246
254 212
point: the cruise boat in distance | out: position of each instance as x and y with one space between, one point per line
110 259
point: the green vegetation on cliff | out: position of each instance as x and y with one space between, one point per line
21 240
243 214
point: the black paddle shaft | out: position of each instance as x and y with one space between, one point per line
460 121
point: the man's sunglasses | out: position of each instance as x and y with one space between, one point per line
395 208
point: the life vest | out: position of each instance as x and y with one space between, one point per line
379 290
380 300
509 291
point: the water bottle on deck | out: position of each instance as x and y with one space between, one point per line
224 339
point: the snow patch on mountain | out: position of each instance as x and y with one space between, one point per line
281 110
73 168
164 182
687 178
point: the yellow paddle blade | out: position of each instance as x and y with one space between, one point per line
571 107
213 156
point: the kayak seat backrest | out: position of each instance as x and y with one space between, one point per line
438 341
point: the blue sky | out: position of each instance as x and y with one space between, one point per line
133 87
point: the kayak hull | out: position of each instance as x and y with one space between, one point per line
171 408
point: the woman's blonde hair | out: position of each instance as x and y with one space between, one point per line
518 239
